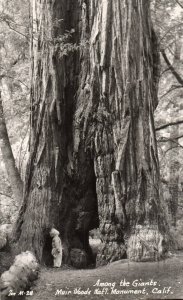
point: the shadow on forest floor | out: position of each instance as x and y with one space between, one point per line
164 274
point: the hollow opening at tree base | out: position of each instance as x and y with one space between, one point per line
47 258
94 242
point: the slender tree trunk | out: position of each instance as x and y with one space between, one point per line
174 175
93 156
9 160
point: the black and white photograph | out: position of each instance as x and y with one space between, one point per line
91 149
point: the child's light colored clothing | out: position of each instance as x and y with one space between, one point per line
56 248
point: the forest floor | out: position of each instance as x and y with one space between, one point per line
158 280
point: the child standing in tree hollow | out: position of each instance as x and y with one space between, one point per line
56 248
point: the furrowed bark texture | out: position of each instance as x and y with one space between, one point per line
116 100
9 160
93 159
46 177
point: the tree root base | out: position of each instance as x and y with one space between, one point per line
147 244
110 252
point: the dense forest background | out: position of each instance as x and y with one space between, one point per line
15 84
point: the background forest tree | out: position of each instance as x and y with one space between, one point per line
167 17
91 126
14 85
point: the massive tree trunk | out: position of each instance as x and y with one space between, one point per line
93 155
9 160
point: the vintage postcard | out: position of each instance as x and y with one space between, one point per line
91 149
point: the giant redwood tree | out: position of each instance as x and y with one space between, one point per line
93 155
